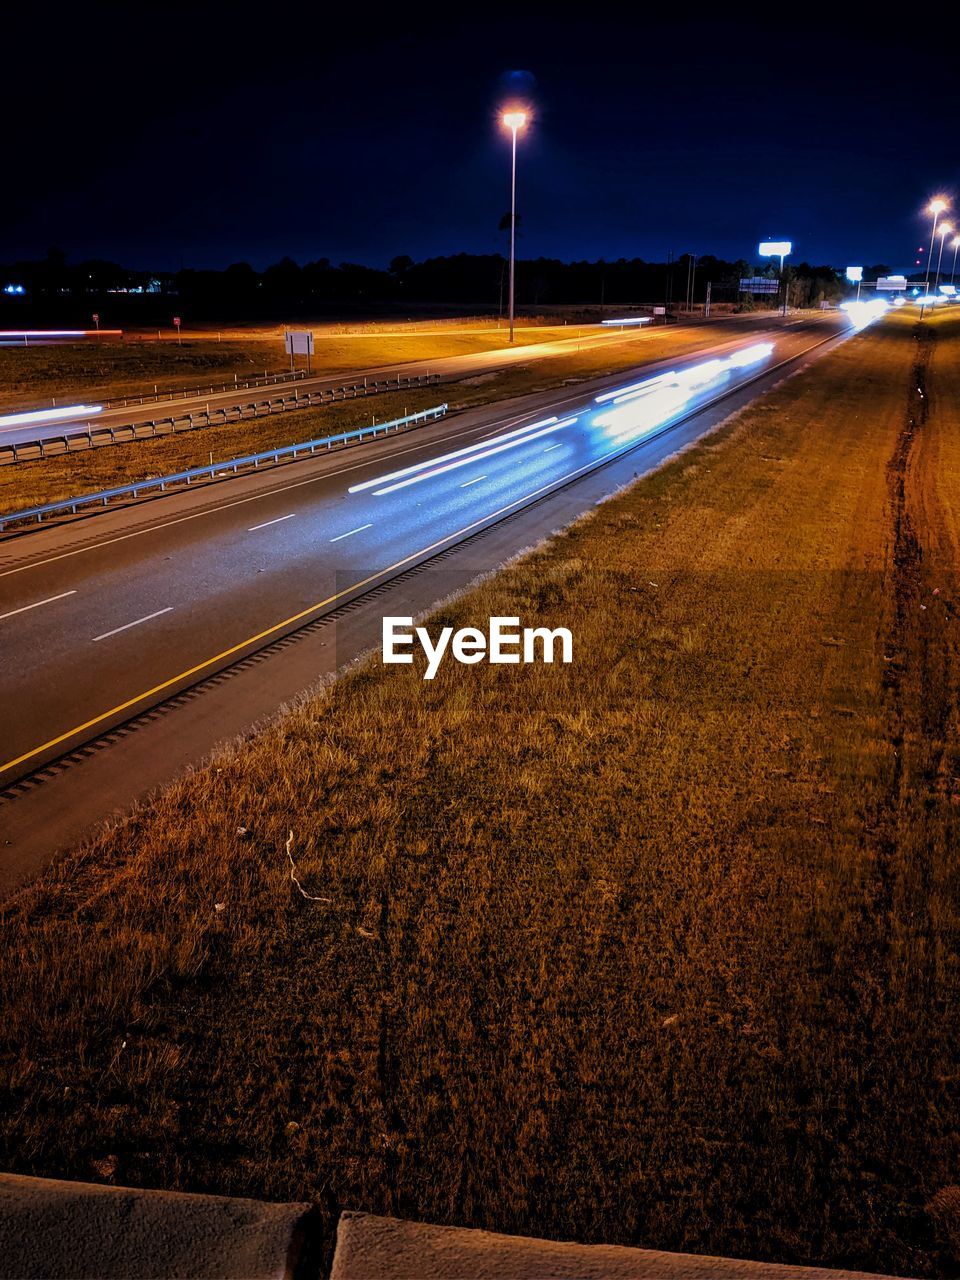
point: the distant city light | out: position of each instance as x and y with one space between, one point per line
14 289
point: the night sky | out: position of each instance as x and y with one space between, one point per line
169 135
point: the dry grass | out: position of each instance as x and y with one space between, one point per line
29 484
657 948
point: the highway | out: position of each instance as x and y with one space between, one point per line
105 617
17 430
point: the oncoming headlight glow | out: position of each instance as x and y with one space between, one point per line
863 313
642 408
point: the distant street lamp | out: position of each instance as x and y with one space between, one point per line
515 121
945 229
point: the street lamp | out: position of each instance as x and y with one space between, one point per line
936 207
515 121
945 229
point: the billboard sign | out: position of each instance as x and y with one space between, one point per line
775 248
892 282
759 284
298 342
854 274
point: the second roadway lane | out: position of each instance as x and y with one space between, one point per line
97 628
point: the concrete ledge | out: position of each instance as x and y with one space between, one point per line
79 1231
373 1248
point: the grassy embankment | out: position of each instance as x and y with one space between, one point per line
31 376
660 947
29 484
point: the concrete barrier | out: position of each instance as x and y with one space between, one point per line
55 1230
374 1248
80 1231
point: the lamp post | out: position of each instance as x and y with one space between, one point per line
936 207
514 120
945 229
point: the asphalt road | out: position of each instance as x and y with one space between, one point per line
19 432
103 618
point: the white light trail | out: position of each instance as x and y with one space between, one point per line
471 449
641 409
474 457
49 415
636 388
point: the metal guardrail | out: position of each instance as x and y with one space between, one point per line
268 379
98 435
215 470
248 383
